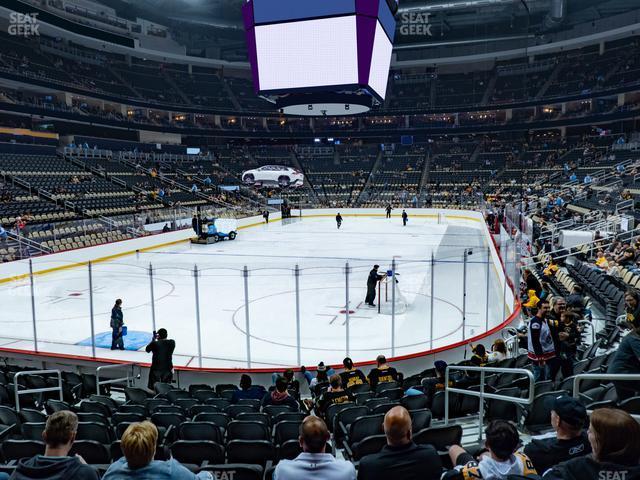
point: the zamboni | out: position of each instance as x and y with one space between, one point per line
213 235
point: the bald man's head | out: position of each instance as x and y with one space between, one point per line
397 426
314 435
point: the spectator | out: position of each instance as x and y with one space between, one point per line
351 375
280 396
569 338
479 357
247 390
313 462
117 324
498 461
162 360
569 440
626 360
3 234
559 306
531 281
335 395
575 301
382 373
541 348
632 306
498 351
613 437
56 464
138 445
532 300
401 457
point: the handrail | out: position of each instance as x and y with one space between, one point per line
18 392
128 378
482 395
629 377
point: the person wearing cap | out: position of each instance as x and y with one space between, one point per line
569 438
541 347
351 375
436 384
613 435
626 360
372 283
383 373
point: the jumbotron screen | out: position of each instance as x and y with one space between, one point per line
297 45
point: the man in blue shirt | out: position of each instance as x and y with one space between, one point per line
314 463
247 390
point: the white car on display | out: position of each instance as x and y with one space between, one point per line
274 174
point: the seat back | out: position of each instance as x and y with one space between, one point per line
441 437
200 431
197 451
256 452
420 419
237 471
286 430
94 453
366 426
33 430
17 449
247 430
218 418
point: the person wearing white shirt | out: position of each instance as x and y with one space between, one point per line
313 462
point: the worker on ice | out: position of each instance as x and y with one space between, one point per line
405 218
372 282
339 220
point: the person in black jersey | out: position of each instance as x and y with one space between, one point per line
388 211
335 395
351 376
372 283
405 218
339 220
568 418
383 373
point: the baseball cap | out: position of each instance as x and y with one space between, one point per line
569 409
322 367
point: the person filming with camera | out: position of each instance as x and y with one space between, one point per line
162 360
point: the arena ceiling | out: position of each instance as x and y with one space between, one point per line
448 21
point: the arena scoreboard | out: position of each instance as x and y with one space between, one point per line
310 54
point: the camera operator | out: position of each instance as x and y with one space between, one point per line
162 360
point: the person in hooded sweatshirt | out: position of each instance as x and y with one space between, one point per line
56 464
280 396
498 461
613 435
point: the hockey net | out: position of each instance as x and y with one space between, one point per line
386 297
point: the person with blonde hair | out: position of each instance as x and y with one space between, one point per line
613 435
138 445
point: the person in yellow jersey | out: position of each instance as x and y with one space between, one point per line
351 375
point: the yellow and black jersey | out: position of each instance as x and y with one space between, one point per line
382 375
352 377
473 470
332 398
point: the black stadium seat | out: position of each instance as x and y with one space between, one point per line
257 452
17 449
195 452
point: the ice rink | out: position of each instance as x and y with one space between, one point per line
271 253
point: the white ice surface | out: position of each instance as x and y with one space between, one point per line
271 252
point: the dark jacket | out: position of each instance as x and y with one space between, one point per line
117 319
373 279
545 453
50 468
409 462
255 392
161 361
584 468
627 357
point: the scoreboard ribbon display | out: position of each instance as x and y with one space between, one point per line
320 45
